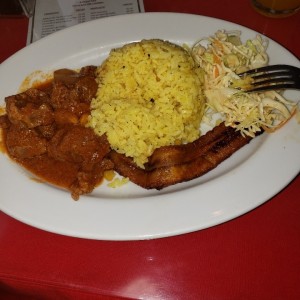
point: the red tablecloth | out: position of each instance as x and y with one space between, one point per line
255 256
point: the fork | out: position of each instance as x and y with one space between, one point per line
274 77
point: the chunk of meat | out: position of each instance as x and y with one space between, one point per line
69 77
86 88
64 116
74 91
76 99
63 97
47 131
88 71
66 76
28 109
78 144
86 181
24 142
36 96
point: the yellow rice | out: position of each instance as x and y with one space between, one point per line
149 96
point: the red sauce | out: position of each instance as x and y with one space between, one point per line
59 172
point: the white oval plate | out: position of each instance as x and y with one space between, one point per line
247 179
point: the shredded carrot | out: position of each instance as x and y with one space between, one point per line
218 44
216 72
217 59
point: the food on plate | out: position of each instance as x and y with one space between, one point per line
44 131
173 164
149 96
223 56
140 112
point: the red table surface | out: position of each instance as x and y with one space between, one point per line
255 256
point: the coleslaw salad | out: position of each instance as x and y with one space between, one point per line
222 57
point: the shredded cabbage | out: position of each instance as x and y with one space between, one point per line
222 57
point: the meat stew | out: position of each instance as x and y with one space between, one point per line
44 131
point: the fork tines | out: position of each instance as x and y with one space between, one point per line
274 77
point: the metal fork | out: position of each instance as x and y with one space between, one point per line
274 77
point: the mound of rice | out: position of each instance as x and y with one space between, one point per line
149 96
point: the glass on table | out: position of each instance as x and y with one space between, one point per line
276 8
